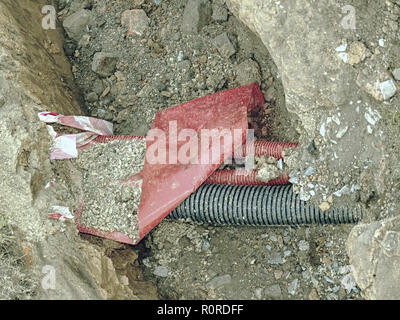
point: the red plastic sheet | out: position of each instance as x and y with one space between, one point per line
166 185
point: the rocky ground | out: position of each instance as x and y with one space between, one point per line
172 52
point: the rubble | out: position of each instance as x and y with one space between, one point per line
75 25
104 63
197 14
224 45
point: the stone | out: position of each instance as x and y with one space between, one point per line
396 74
219 13
136 20
69 48
293 287
324 205
92 97
197 14
273 292
356 53
374 253
248 72
224 45
75 24
219 281
267 173
275 259
388 89
161 271
104 63
303 245
98 86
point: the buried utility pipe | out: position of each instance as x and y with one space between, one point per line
257 206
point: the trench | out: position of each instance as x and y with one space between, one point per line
189 260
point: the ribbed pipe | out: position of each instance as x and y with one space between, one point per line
257 206
243 178
269 149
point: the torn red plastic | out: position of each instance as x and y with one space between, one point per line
165 186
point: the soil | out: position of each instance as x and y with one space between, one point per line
163 67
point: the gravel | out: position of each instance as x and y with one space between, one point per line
110 205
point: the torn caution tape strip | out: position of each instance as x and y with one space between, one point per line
65 145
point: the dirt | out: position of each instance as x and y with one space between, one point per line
162 67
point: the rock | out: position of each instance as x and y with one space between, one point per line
273 292
84 41
278 274
270 94
267 173
92 97
136 20
275 259
219 13
325 205
98 86
76 23
303 245
388 89
224 45
396 74
356 53
161 271
293 287
205 245
104 63
248 72
374 253
69 48
24 151
219 281
196 15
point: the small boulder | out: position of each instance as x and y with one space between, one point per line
224 45
197 14
104 63
76 23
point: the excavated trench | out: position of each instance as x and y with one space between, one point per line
151 64
157 70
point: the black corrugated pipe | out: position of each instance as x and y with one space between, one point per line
257 206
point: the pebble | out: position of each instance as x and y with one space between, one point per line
161 271
278 274
219 13
104 63
275 259
75 24
136 20
273 292
396 74
388 89
293 286
324 206
303 245
219 281
92 97
206 245
224 45
196 15
248 72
